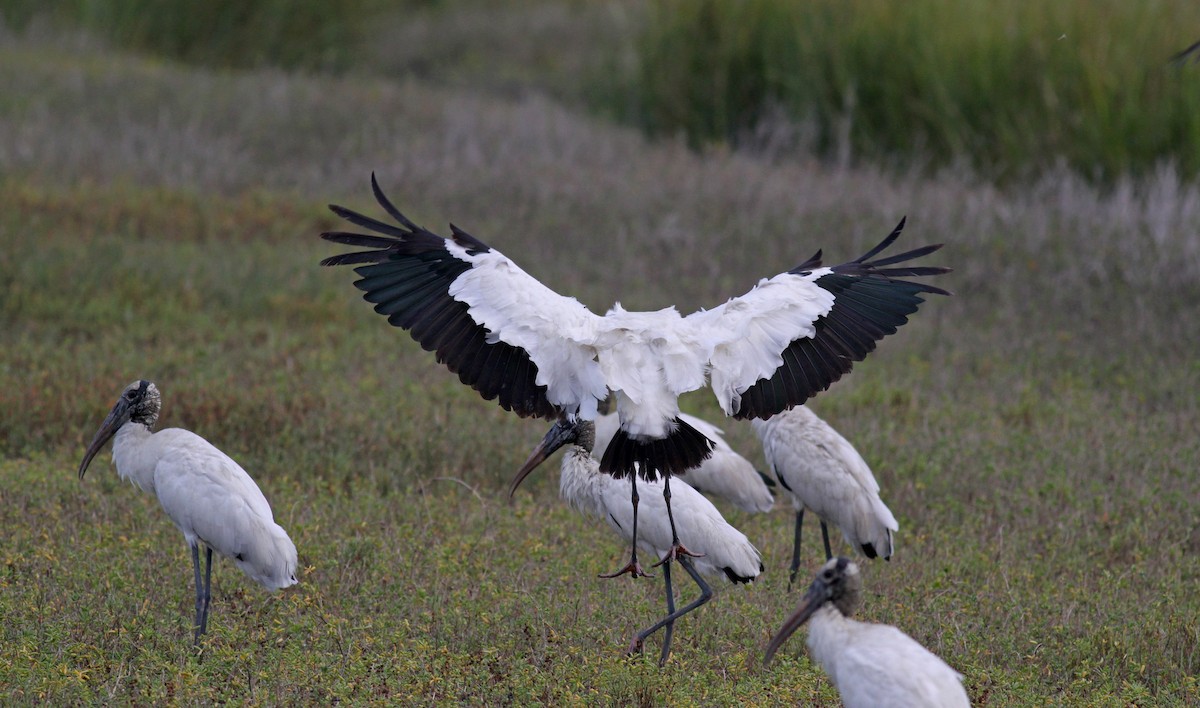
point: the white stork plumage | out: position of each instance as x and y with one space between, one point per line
725 474
823 472
542 354
210 497
720 549
872 665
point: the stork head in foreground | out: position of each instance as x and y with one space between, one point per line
838 583
140 403
564 432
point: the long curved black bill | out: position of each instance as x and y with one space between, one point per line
117 417
560 434
808 605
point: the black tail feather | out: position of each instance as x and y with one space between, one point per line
742 579
684 448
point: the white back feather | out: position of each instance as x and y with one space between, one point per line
878 666
825 474
701 527
210 498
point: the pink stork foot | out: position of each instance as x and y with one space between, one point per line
633 568
677 550
635 647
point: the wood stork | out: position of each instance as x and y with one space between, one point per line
542 354
823 472
725 475
721 550
210 497
872 665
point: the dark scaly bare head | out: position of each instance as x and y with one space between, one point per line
139 403
565 430
838 583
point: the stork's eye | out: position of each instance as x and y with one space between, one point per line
130 395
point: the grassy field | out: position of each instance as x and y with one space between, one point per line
1035 434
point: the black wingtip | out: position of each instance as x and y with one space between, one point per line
812 263
389 207
889 240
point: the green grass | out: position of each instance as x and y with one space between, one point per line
1034 434
1008 88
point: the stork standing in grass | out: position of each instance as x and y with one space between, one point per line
721 550
823 472
210 497
725 475
542 354
872 665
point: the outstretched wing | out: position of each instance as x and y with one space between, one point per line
504 333
793 335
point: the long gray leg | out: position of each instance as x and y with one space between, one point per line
796 548
677 548
199 595
706 594
207 588
634 568
825 538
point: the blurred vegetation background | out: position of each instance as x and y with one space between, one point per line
1008 88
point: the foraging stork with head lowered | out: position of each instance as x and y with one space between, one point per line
720 549
725 475
210 497
872 665
542 354
823 472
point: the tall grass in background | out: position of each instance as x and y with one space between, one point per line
292 34
1003 85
